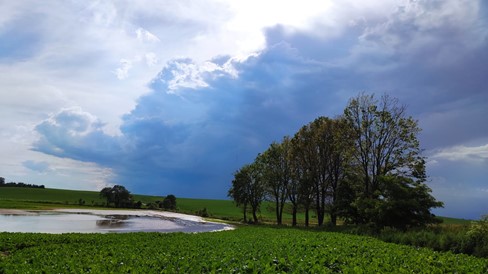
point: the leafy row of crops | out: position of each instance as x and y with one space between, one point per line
245 250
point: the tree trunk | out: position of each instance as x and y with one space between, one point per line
255 217
278 217
333 214
306 216
320 216
245 211
333 219
294 213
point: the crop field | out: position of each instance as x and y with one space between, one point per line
245 250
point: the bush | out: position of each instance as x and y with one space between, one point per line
152 206
478 234
203 212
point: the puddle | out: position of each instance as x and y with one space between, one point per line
63 222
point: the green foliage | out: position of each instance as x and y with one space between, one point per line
456 239
392 169
478 233
479 229
402 203
242 251
203 212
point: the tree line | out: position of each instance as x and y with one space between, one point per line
364 167
19 184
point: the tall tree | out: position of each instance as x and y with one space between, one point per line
239 190
248 188
385 140
391 165
340 151
276 174
296 178
310 147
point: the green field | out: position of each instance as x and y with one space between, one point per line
56 197
250 249
35 198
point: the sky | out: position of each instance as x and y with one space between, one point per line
174 96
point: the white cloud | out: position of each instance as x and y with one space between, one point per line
185 73
151 59
123 71
145 36
463 153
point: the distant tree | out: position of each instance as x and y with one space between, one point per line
19 184
117 195
169 202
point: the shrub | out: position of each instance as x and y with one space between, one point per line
202 212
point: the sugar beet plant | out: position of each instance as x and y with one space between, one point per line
245 250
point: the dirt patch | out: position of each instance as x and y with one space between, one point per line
15 212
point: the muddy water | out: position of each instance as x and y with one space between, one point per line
55 222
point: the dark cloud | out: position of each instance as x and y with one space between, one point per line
195 138
72 133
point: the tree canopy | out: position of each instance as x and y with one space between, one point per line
169 202
117 196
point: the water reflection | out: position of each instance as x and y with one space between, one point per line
53 222
113 221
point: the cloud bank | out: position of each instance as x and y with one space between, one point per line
181 100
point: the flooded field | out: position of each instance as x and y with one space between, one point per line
100 221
